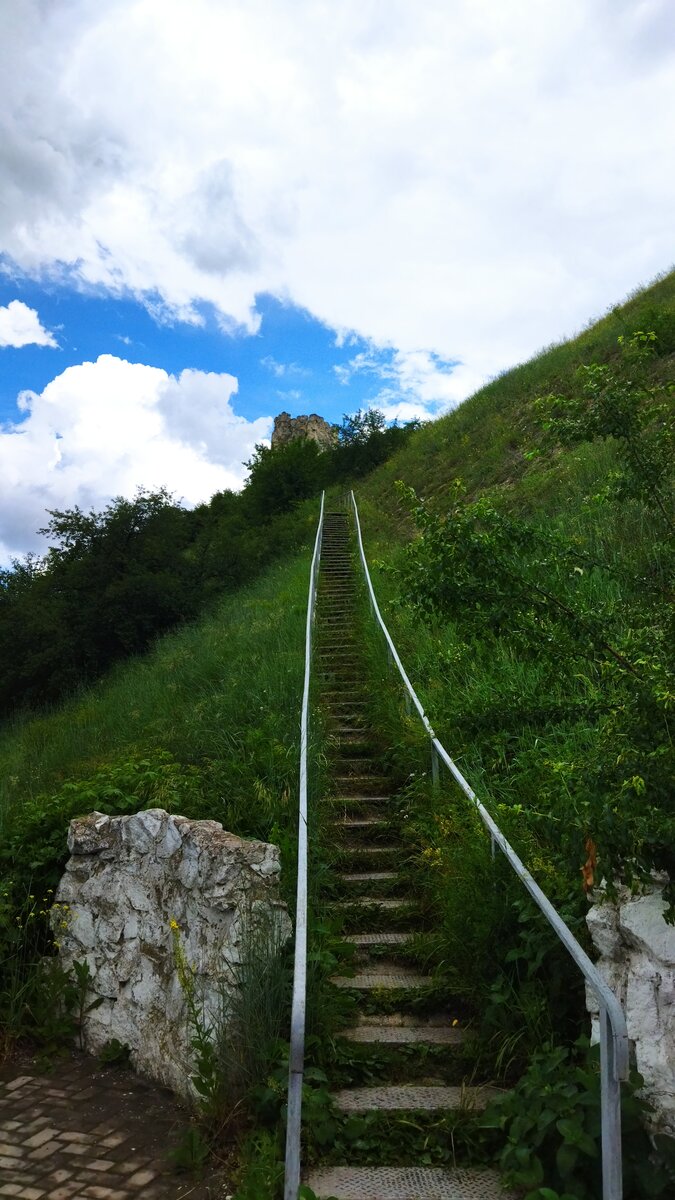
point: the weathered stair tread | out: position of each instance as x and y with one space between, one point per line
407 1183
405 1035
363 852
368 876
360 822
376 939
383 975
372 902
409 1097
369 797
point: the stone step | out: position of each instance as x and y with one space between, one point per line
363 857
361 823
364 850
372 902
376 939
339 653
368 876
383 974
345 761
360 798
411 1097
347 781
343 697
404 1035
406 1183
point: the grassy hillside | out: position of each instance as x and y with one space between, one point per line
205 725
525 567
488 441
527 563
524 564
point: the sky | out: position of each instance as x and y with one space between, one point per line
215 210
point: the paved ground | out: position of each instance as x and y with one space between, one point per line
81 1132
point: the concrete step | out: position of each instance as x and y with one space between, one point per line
360 798
412 1097
373 902
406 1183
383 974
422 1034
376 939
347 782
368 876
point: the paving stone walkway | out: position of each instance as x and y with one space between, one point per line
81 1132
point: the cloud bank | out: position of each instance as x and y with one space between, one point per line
105 428
463 179
21 326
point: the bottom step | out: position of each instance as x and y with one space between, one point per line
412 1097
406 1183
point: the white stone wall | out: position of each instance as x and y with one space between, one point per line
127 878
637 959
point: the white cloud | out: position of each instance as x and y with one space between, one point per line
414 383
105 428
21 326
466 178
281 369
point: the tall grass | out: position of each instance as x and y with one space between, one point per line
206 725
221 696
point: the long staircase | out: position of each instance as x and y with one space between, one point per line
399 1010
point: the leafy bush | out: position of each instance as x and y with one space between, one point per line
551 1123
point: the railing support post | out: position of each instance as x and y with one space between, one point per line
610 1089
434 766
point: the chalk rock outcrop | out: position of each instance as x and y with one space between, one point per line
637 959
288 429
127 879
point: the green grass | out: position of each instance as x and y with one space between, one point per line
206 725
221 696
486 440
566 747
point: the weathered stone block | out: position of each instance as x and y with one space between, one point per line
637 960
127 879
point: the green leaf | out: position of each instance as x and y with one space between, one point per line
566 1159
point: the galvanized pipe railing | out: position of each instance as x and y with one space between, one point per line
613 1032
297 1045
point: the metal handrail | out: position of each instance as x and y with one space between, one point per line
613 1031
297 1045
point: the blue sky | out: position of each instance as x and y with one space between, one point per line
288 364
212 212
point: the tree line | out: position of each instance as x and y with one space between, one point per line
113 581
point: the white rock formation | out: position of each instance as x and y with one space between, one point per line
127 879
312 428
637 949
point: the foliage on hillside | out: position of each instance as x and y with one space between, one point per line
205 725
524 563
545 600
496 437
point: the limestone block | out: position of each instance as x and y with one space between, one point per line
637 960
603 923
642 924
127 879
